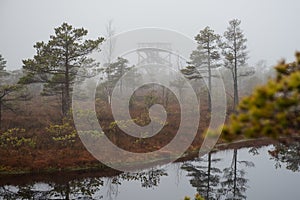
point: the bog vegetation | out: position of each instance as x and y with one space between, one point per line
36 124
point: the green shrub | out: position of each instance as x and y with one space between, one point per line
64 134
14 139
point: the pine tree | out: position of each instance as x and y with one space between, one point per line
57 62
205 58
234 52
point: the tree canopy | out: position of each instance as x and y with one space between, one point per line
57 62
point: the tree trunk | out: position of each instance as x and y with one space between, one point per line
67 96
67 100
68 191
209 89
235 84
235 170
64 104
208 175
209 78
0 114
109 88
235 88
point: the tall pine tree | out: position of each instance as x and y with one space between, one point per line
57 62
205 58
234 52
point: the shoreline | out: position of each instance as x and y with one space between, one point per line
190 154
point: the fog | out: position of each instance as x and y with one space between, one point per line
271 27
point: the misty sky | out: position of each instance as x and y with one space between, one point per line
271 26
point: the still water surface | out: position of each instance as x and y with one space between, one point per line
267 173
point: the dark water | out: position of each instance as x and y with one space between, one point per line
266 173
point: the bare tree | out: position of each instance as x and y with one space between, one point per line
108 50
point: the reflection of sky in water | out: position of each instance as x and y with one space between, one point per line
174 186
265 181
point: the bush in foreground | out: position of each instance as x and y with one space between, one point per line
272 110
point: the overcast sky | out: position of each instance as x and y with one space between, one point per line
272 27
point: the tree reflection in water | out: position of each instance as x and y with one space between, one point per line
85 188
216 184
205 177
234 184
148 179
213 178
288 154
79 189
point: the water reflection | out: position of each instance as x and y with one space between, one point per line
205 177
287 154
234 184
147 179
79 188
229 174
213 183
74 189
